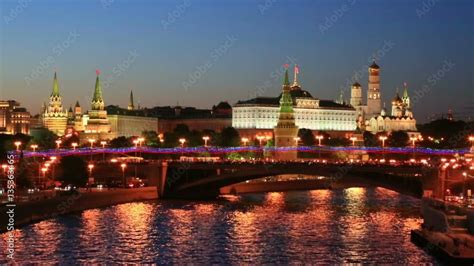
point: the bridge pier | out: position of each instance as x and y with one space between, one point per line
162 179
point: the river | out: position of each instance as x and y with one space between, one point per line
366 225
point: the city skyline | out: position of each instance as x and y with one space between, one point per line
154 58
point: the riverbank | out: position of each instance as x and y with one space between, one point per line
446 231
35 211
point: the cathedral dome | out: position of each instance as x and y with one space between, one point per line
374 66
397 99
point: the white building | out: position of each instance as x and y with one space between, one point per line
310 113
371 117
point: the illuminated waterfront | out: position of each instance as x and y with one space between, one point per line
370 225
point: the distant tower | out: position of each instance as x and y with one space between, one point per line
407 111
54 116
286 130
98 122
131 106
341 97
78 119
296 85
397 106
374 104
356 95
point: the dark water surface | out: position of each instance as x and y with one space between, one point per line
369 225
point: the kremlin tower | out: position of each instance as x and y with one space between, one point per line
374 103
286 130
131 105
54 116
97 123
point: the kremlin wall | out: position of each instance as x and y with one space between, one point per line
279 117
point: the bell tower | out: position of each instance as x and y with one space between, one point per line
374 103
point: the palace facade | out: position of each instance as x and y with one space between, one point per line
309 112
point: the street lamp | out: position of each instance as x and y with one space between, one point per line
91 141
74 145
206 139
471 139
58 143
17 144
245 140
353 139
34 147
383 138
140 141
135 142
103 143
123 173
182 141
260 138
44 170
413 140
90 166
319 138
296 139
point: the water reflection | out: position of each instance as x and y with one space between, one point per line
325 226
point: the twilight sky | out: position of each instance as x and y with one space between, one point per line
199 52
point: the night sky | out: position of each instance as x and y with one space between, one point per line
198 53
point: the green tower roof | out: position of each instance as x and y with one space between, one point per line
405 92
286 82
98 90
55 86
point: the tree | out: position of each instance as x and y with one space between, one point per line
120 142
338 142
307 137
74 170
45 139
229 137
151 137
369 139
68 141
398 139
23 181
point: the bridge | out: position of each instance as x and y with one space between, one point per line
200 180
181 179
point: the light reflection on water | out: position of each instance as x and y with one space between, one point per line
369 225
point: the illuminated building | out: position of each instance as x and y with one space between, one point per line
95 123
286 130
13 118
262 113
371 117
54 116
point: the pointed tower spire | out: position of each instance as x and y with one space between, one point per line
295 79
131 106
405 90
55 85
286 81
97 101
